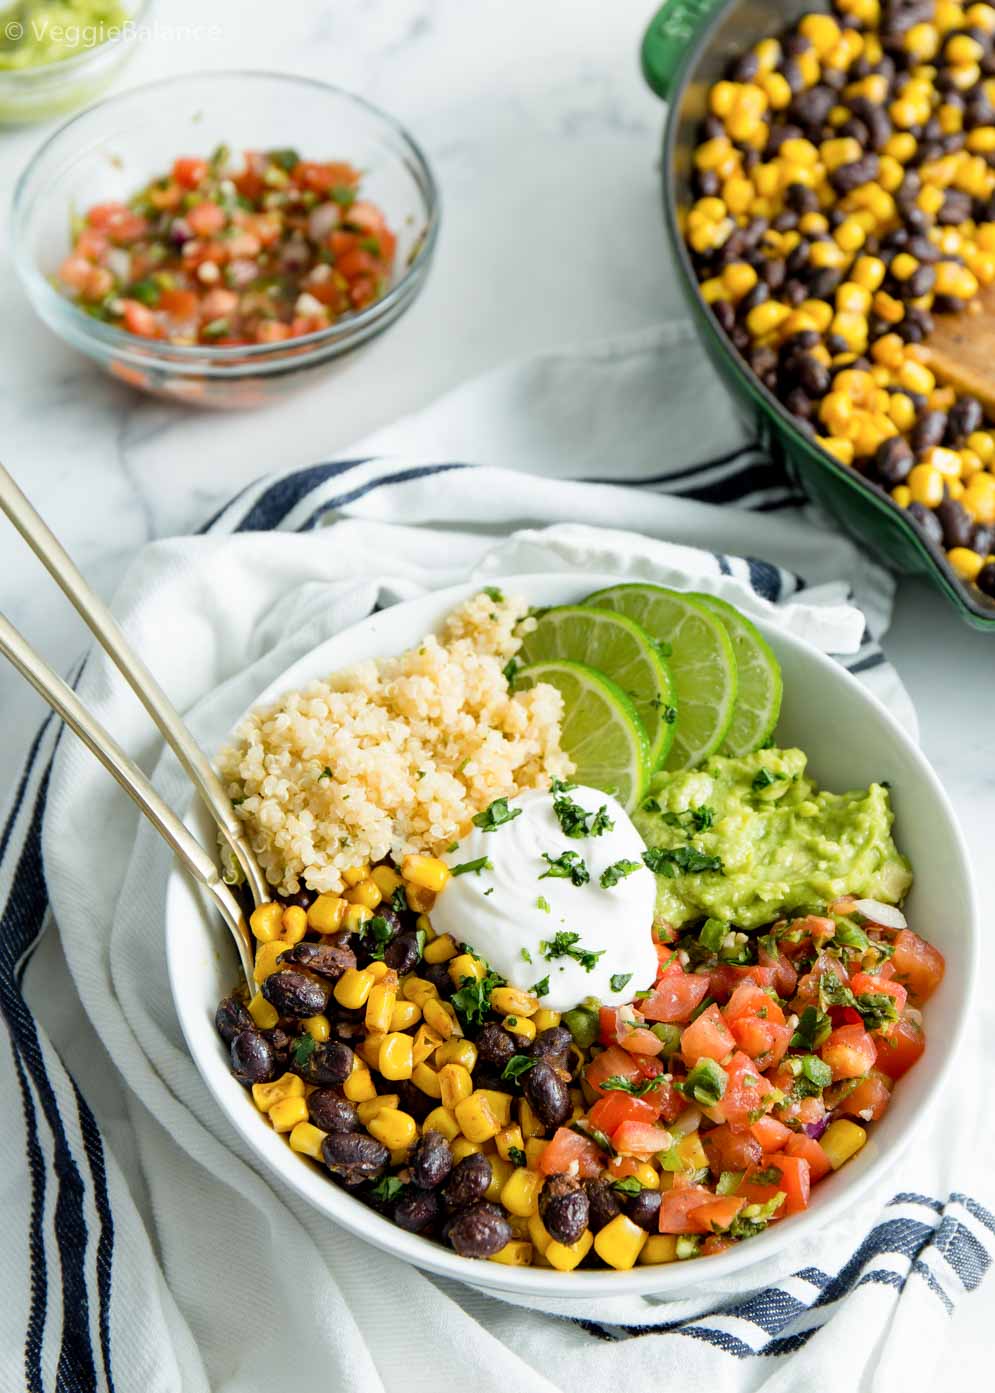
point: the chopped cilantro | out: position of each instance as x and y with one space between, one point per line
686 860
541 988
620 981
472 1001
651 805
526 956
376 933
495 815
712 934
730 1181
326 773
516 1066
764 778
755 1217
482 863
565 945
813 1027
304 1048
618 1084
517 1156
598 1137
493 593
567 866
629 1185
850 935
510 670
387 1189
617 871
574 820
543 904
878 1009
399 900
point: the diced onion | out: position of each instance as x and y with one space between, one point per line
322 220
889 916
816 1129
688 1122
118 262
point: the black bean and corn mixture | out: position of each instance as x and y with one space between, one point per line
845 192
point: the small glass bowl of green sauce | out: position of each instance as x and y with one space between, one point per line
57 55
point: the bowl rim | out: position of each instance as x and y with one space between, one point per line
362 1222
119 342
982 616
49 73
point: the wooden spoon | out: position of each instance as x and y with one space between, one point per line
960 351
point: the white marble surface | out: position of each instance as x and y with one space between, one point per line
545 142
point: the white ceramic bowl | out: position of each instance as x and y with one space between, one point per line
850 739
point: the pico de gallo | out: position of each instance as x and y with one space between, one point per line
226 252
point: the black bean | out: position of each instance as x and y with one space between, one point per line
467 1181
983 541
985 580
785 221
928 431
404 954
856 130
798 342
495 1045
303 898
564 1207
387 928
836 343
928 522
762 360
603 1202
919 283
922 249
847 177
329 959
799 196
822 285
772 273
956 207
295 995
331 1112
795 44
793 75
893 461
756 296
746 68
813 376
479 1232
552 1045
231 1018
799 404
353 1156
793 292
644 1209
413 1101
252 1058
438 975
547 1094
811 107
431 1160
328 1063
725 313
416 1211
948 304
964 417
281 1044
956 522
707 183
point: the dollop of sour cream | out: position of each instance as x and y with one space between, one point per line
510 911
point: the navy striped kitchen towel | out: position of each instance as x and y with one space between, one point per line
144 1249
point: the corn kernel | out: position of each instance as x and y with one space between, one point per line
954 279
455 1084
902 411
419 899
285 1115
462 1147
356 917
386 880
739 278
853 298
566 1256
476 1118
426 1042
380 1006
306 1139
359 1086
520 1193
540 1236
368 1048
619 1243
721 99
265 1095
983 445
520 1026
395 1059
425 1078
509 1000
500 1103
501 1173
428 872
317 1027
457 1051
902 495
353 988
264 1015
442 1120
515 1253
267 958
926 486
545 1019
840 449
441 1017
393 1129
441 949
265 921
464 965
659 1247
841 1140
368 1110
327 913
965 562
947 462
888 308
509 1139
838 152
534 1147
527 1120
366 893
868 271
404 1015
418 990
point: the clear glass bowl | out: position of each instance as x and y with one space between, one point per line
116 147
52 89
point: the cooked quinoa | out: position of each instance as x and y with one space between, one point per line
393 755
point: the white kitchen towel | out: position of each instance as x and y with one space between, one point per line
145 1249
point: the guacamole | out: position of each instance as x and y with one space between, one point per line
36 32
747 839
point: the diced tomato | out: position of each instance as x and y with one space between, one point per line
75 272
640 1139
717 1215
127 227
642 1042
918 965
189 171
746 1089
621 1167
367 217
91 243
206 218
323 177
807 993
726 977
355 263
676 995
863 982
759 1192
808 1149
101 215
731 1151
139 319
750 1000
715 1244
869 1099
669 1101
897 1052
272 331
763 1041
843 906
795 1180
180 305
845 1015
785 977
608 1028
771 1134
677 1207
571 1153
708 1037
166 198
613 1061
849 1052
612 1109
816 927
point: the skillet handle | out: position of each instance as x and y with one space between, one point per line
666 38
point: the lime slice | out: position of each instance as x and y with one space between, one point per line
601 731
702 662
618 647
758 702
